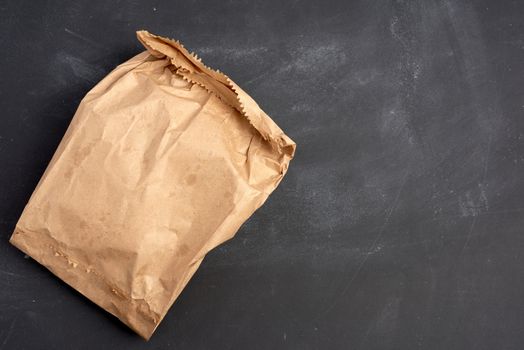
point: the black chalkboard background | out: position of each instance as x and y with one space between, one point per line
400 222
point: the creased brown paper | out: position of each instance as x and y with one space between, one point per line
163 161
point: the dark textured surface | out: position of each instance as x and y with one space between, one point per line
400 222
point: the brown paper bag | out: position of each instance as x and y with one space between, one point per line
164 160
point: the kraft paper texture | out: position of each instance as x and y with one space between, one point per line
164 160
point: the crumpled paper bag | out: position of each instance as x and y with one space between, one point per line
164 160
